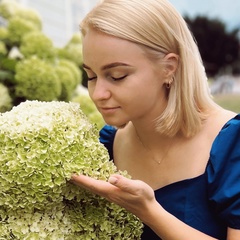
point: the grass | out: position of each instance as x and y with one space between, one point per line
230 102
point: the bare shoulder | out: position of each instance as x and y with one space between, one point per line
222 117
123 136
217 120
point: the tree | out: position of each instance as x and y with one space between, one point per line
219 48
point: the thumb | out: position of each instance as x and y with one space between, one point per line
121 182
114 179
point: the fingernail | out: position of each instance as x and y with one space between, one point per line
73 176
113 180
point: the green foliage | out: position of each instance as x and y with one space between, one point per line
8 64
73 50
3 49
90 110
37 80
30 65
73 68
42 144
20 21
29 62
31 16
66 77
3 34
76 39
6 76
8 8
5 99
219 48
18 28
38 44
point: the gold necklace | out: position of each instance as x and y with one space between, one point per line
149 151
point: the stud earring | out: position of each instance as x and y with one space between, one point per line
168 85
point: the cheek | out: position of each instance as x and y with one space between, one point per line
146 96
90 93
91 88
148 89
139 98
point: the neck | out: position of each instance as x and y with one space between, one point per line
150 138
156 146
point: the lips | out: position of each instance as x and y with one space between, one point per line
108 110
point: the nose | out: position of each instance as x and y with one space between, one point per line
99 90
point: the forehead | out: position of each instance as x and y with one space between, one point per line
101 46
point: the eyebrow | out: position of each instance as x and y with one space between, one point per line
108 66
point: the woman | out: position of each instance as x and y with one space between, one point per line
147 79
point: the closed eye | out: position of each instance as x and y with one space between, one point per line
92 78
114 79
120 78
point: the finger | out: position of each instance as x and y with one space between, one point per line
123 183
96 186
83 181
80 180
135 188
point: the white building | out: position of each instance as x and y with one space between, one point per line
60 18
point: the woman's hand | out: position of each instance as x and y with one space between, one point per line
133 195
138 197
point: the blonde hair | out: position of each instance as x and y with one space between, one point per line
156 25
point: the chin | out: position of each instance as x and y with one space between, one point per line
118 126
121 126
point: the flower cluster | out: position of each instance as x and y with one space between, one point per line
32 68
36 79
89 109
42 145
5 99
38 44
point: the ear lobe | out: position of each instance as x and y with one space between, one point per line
171 63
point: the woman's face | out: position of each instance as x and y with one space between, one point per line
124 83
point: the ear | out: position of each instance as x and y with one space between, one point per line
171 64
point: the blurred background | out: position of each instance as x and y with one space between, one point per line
40 50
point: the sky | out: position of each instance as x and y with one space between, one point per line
227 11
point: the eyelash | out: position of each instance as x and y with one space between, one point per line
120 78
115 79
89 79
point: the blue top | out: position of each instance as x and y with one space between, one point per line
211 201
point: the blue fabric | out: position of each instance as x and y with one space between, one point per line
107 135
211 201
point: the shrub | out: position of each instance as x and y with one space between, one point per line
17 28
3 49
73 50
3 33
38 44
37 80
74 69
31 16
67 80
8 8
90 110
42 144
5 99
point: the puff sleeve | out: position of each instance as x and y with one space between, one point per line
107 135
223 174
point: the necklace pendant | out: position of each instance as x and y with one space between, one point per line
157 161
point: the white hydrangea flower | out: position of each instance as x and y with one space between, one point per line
41 145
